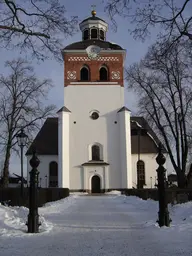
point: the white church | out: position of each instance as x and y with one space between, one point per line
95 144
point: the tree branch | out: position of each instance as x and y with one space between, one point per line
23 31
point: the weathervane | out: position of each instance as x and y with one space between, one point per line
93 10
93 6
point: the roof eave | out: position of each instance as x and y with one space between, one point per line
63 51
95 163
63 109
123 109
92 21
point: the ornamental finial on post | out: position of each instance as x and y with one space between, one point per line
160 159
33 216
34 162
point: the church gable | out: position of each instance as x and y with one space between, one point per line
46 141
143 138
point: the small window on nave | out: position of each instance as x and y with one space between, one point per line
103 74
94 33
53 174
140 174
102 35
84 74
86 35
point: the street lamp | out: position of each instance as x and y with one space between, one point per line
21 140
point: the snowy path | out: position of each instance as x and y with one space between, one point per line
100 225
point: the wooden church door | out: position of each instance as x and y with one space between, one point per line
95 184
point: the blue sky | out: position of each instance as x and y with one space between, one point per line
51 69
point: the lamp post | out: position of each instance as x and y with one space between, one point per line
151 181
46 181
139 185
40 182
21 139
156 182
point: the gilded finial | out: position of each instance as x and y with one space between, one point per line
93 12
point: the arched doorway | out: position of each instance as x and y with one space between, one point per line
95 184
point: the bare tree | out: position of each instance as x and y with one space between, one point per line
174 18
36 26
163 85
21 106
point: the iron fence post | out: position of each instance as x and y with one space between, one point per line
163 213
33 217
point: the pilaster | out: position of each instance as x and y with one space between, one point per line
63 150
125 147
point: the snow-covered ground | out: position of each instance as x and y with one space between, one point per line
97 225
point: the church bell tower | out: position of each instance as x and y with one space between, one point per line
94 124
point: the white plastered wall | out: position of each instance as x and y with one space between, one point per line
81 100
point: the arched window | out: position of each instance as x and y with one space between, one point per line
102 35
53 174
86 34
94 33
140 174
103 74
84 74
95 153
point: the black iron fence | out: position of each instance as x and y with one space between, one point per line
174 195
12 196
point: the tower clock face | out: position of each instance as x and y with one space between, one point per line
93 51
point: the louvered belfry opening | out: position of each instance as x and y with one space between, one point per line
103 74
86 34
94 33
85 74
